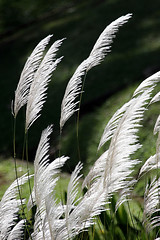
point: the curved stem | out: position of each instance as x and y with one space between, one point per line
78 115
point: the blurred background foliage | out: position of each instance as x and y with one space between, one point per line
135 55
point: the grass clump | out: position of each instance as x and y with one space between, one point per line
103 205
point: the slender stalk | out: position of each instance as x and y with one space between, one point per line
24 143
29 182
77 124
78 115
60 185
27 160
15 164
131 217
16 173
60 142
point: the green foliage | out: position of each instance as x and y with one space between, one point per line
7 174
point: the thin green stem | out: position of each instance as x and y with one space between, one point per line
60 142
60 185
24 143
15 164
29 182
131 217
78 116
16 173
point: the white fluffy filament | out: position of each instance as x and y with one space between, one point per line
112 125
151 205
72 193
27 75
37 93
98 53
18 231
147 83
9 207
45 179
124 142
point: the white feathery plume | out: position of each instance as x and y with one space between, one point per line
9 206
118 165
113 130
54 212
112 125
114 121
124 143
156 98
41 226
92 204
98 53
59 226
157 126
45 179
147 83
37 94
40 163
152 163
79 217
38 232
44 172
72 192
42 156
73 89
27 75
83 215
17 231
116 162
103 44
125 193
151 205
117 171
96 171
